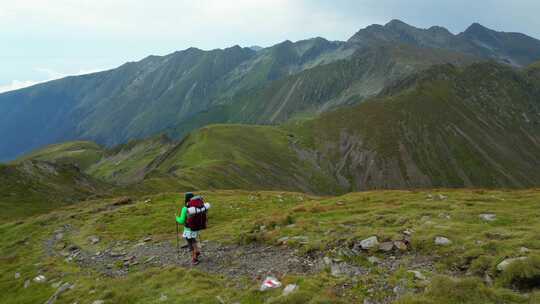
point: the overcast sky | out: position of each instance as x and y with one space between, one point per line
49 39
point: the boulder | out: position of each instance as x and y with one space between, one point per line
400 245
502 266
488 217
442 241
369 243
386 246
40 279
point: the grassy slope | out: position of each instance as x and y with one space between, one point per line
82 153
476 126
241 157
31 187
328 223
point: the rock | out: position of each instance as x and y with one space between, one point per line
115 254
122 201
270 283
488 217
220 300
442 197
73 248
40 279
445 216
98 302
374 260
56 284
504 264
524 250
289 289
442 241
93 239
488 280
417 275
163 298
147 239
301 239
386 246
408 232
147 201
369 243
335 270
17 275
327 261
59 236
26 283
400 245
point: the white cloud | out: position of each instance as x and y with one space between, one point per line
50 75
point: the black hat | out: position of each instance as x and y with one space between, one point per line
188 196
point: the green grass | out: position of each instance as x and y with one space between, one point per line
327 222
81 153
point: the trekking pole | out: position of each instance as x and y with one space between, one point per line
177 240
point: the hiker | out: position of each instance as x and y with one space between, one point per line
193 217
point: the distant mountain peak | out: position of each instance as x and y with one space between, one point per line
396 23
477 28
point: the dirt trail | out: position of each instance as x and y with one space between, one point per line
254 260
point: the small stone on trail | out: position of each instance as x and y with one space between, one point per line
504 264
524 250
327 261
369 243
408 232
17 275
98 302
442 241
147 239
488 217
270 283
290 289
163 298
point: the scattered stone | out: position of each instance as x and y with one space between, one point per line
442 197
400 245
289 289
374 260
150 259
57 293
488 217
262 228
445 216
98 302
40 279
270 283
116 254
504 264
442 241
147 201
93 239
220 300
335 270
59 236
488 280
147 239
73 248
17 275
56 284
163 298
386 246
417 275
369 243
26 283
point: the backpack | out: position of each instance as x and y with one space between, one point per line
197 221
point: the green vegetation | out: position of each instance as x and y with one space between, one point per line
81 153
328 226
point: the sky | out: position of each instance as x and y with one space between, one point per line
43 40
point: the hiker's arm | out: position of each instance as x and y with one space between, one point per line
182 218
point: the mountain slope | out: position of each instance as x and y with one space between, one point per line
31 187
513 48
168 93
475 127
